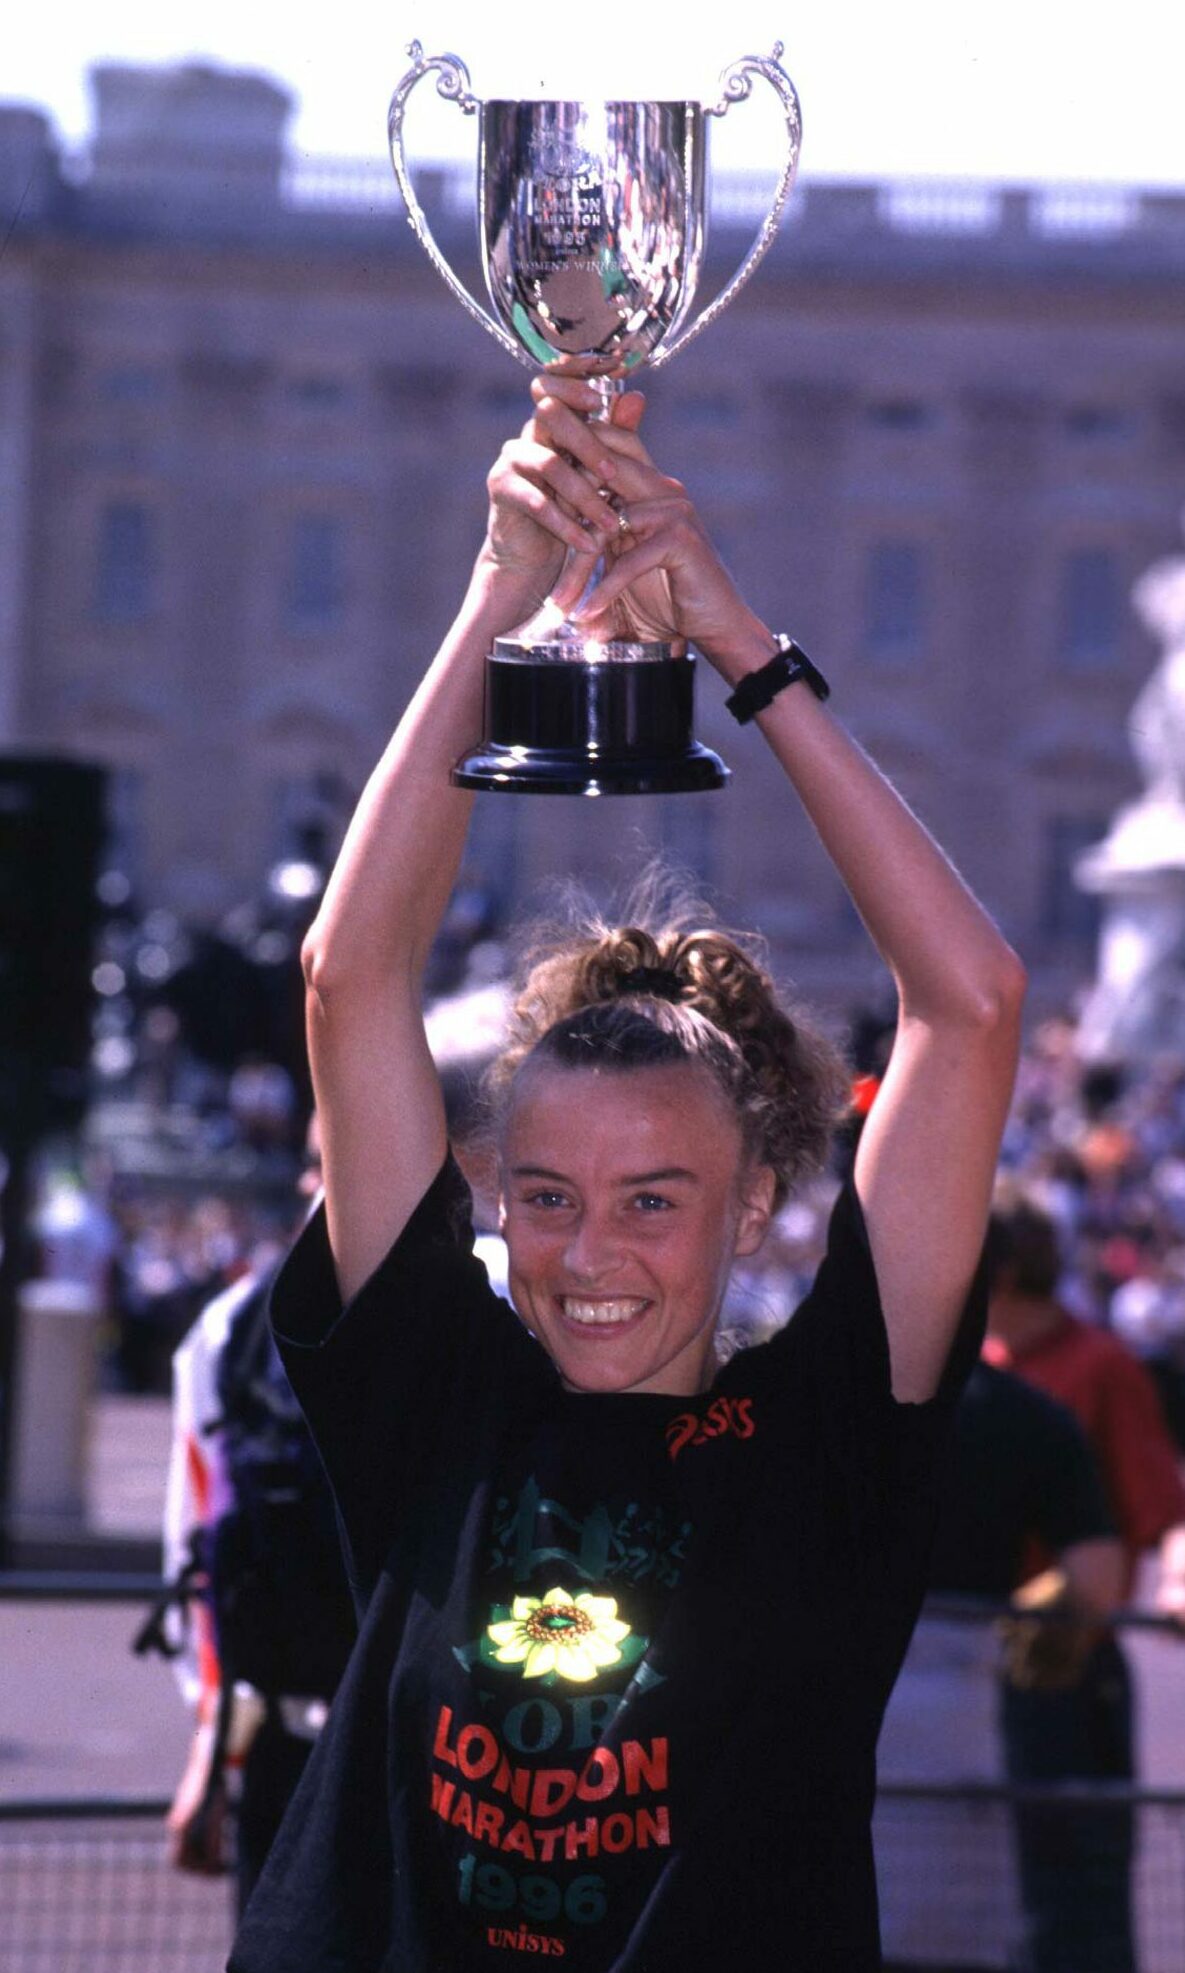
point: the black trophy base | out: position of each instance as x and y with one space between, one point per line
579 726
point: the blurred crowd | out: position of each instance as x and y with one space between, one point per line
183 1185
1102 1148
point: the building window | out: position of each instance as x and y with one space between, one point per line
124 857
423 392
1172 423
1067 913
503 400
317 392
711 409
1095 422
893 602
1091 613
306 819
125 562
899 414
130 384
316 581
495 848
686 835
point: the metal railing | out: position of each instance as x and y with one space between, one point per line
949 1877
86 1885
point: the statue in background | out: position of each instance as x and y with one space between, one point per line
1137 1005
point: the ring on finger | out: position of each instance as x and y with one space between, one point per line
623 525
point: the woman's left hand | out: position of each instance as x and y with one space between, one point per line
664 578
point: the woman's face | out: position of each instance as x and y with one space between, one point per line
626 1196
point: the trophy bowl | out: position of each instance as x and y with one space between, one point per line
591 218
592 223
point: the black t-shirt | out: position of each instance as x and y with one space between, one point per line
1019 1470
623 1658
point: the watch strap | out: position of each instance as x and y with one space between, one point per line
788 664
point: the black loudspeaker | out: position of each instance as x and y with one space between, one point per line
52 831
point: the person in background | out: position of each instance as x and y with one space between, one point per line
1018 1472
1086 1731
197 1492
77 1238
1147 1313
243 1472
1102 1382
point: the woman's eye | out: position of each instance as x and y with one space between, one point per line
547 1199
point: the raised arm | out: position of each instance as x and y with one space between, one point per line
928 1153
382 1117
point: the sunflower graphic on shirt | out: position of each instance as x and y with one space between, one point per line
559 1635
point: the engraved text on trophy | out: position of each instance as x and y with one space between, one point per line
591 237
569 203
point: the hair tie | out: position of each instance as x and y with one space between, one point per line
658 981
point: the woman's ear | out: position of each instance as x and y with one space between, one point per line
757 1208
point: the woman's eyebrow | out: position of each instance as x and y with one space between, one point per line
664 1176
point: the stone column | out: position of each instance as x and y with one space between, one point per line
1137 1004
59 1327
984 683
28 187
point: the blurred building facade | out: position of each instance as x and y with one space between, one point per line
244 432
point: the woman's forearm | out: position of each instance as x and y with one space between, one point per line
399 861
947 958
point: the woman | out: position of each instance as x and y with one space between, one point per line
630 1622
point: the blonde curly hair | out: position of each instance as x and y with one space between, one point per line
669 986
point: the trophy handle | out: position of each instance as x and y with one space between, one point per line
453 84
738 86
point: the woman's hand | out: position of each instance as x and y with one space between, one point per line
664 578
197 1820
549 501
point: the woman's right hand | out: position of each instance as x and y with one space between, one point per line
663 579
547 504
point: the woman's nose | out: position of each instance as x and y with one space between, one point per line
593 1249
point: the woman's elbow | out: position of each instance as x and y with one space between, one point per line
329 968
1003 991
986 1001
342 968
315 960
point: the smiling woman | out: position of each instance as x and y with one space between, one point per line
701 1100
622 1281
631 1615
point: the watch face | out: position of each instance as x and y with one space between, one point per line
814 677
800 666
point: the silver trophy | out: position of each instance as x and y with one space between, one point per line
592 219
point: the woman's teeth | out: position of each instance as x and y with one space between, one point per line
600 1312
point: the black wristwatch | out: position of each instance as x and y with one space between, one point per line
788 664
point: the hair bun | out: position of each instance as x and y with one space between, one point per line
659 981
712 999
